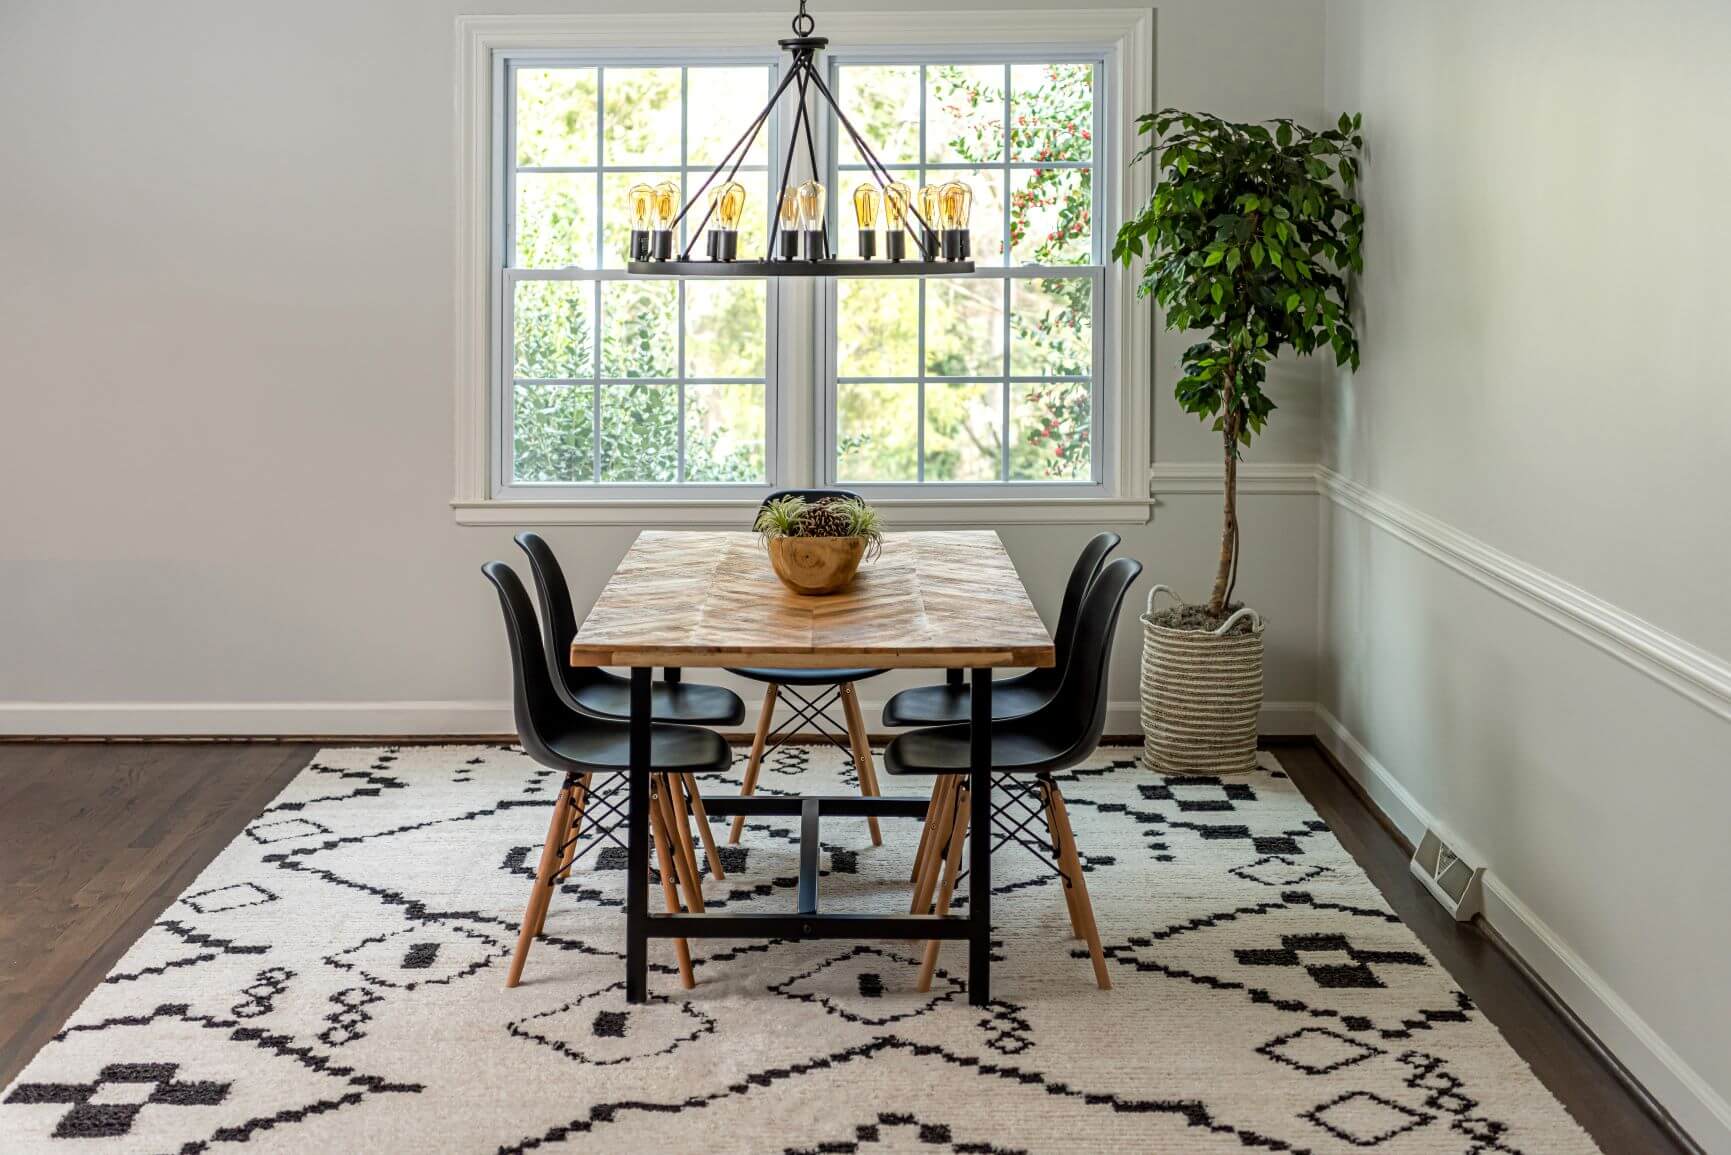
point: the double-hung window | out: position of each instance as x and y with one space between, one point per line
986 379
621 383
1020 387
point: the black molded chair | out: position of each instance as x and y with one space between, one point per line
1026 752
583 746
832 686
592 690
1025 693
597 691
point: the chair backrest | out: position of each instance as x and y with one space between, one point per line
536 704
1082 575
1076 715
558 617
810 494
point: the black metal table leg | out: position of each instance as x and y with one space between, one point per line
637 842
980 840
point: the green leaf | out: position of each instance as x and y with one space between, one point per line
1219 291
1284 135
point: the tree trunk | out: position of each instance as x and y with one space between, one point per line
1229 525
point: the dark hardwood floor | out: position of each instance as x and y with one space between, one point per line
96 839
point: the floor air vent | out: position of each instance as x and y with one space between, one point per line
1447 876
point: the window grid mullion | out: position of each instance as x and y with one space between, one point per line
595 364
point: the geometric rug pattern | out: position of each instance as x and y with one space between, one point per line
334 981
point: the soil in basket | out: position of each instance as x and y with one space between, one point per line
1198 618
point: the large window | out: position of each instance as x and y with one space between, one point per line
987 378
1017 393
616 381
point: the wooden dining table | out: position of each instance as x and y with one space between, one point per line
948 600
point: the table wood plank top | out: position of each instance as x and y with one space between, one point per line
679 598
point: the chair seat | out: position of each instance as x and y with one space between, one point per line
690 702
803 677
605 748
944 703
945 750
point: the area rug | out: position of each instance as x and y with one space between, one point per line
334 981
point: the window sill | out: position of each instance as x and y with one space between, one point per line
735 513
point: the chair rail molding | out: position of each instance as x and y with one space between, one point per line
1700 676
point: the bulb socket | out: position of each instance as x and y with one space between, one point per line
868 244
789 242
639 244
929 244
955 244
896 245
723 244
814 244
661 245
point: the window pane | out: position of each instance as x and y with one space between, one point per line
616 213
724 328
639 329
1051 112
986 221
555 220
1052 327
1052 216
554 330
639 432
556 116
721 103
964 422
724 433
877 432
1050 427
641 118
883 102
554 433
964 113
965 327
877 328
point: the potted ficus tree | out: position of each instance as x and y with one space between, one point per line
1249 239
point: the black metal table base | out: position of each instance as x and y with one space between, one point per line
807 920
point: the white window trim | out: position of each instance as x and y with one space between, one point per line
1123 38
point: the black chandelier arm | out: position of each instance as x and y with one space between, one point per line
879 172
801 65
741 146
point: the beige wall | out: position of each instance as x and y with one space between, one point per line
226 290
1543 372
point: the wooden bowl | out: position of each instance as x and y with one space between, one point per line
816 565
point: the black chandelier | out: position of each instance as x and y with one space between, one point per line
925 232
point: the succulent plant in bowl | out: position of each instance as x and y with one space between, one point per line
816 547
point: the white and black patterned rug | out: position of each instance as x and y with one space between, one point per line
335 982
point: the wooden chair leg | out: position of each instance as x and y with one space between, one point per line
1071 861
670 889
710 850
1048 791
926 831
952 868
543 889
932 865
755 762
579 800
684 858
862 752
582 807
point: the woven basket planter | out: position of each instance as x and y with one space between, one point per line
1201 695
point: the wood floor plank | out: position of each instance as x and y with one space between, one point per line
96 840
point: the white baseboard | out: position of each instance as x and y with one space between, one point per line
409 719
1696 1106
242 719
